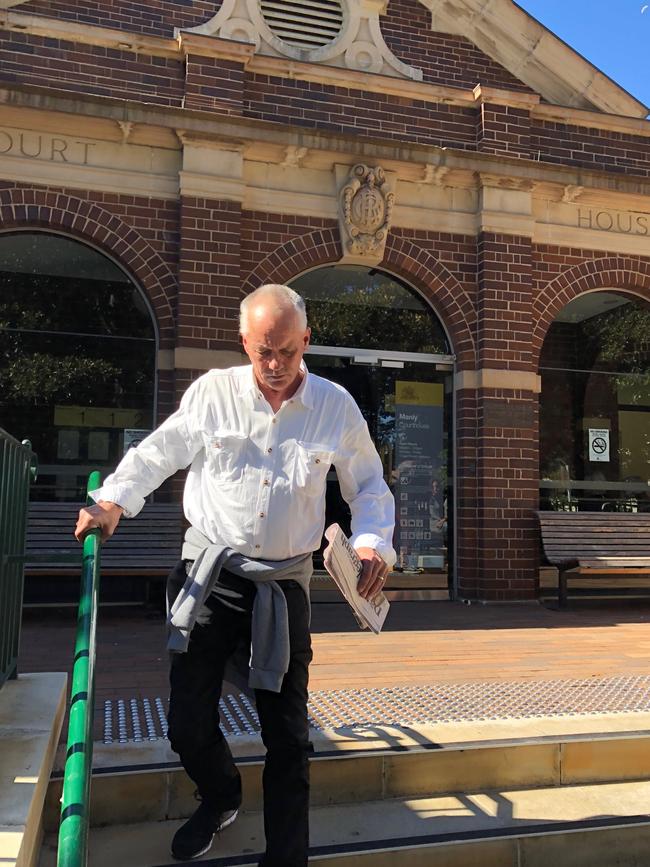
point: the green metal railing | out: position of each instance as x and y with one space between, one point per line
75 803
17 470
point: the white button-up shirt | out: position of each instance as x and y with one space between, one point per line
257 478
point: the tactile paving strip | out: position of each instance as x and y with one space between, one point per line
140 720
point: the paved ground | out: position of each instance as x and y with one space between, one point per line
424 643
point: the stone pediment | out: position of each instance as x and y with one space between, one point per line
510 36
343 33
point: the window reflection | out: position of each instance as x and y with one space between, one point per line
595 406
362 307
77 357
406 402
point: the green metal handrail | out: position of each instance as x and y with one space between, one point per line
75 803
17 469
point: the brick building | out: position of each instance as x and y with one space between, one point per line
463 200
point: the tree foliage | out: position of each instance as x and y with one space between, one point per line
360 307
42 378
622 337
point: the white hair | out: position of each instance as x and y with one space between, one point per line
283 299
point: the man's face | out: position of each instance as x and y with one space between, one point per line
275 343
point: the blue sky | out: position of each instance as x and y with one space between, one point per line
613 34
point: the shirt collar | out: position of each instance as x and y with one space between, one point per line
248 382
304 393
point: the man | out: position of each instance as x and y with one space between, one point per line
259 441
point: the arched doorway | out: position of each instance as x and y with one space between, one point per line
374 335
77 358
595 405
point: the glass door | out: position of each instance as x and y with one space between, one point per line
407 401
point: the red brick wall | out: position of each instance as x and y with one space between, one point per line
277 247
559 274
491 295
549 261
603 150
90 69
264 233
458 253
153 17
209 274
309 104
221 86
466 493
505 302
498 458
503 130
507 473
443 58
214 84
140 232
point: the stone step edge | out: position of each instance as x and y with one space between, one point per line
397 749
405 844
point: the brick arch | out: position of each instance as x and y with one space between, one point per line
438 285
621 273
407 260
86 221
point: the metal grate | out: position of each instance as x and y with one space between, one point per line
140 720
304 23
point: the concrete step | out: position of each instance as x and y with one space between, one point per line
140 783
596 825
32 708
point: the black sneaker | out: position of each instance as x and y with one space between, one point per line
195 837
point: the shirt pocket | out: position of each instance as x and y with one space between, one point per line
312 462
226 454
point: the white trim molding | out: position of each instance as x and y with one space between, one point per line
533 54
493 378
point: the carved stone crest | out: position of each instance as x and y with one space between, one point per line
366 208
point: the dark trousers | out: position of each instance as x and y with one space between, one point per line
196 679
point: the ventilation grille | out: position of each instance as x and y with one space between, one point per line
304 23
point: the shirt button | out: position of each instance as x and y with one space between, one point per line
266 482
269 450
262 515
317 461
257 547
274 420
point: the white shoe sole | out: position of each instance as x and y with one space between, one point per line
228 821
208 846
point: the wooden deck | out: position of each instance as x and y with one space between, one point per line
431 642
423 643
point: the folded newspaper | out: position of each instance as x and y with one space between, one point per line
343 564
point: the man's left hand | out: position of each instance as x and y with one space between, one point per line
373 573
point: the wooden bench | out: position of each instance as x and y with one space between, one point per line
146 546
595 545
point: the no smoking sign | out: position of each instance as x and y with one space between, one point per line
598 445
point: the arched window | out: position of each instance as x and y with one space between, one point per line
349 305
77 358
375 336
595 405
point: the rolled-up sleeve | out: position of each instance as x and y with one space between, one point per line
361 478
169 448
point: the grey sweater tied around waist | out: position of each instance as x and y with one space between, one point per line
269 659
